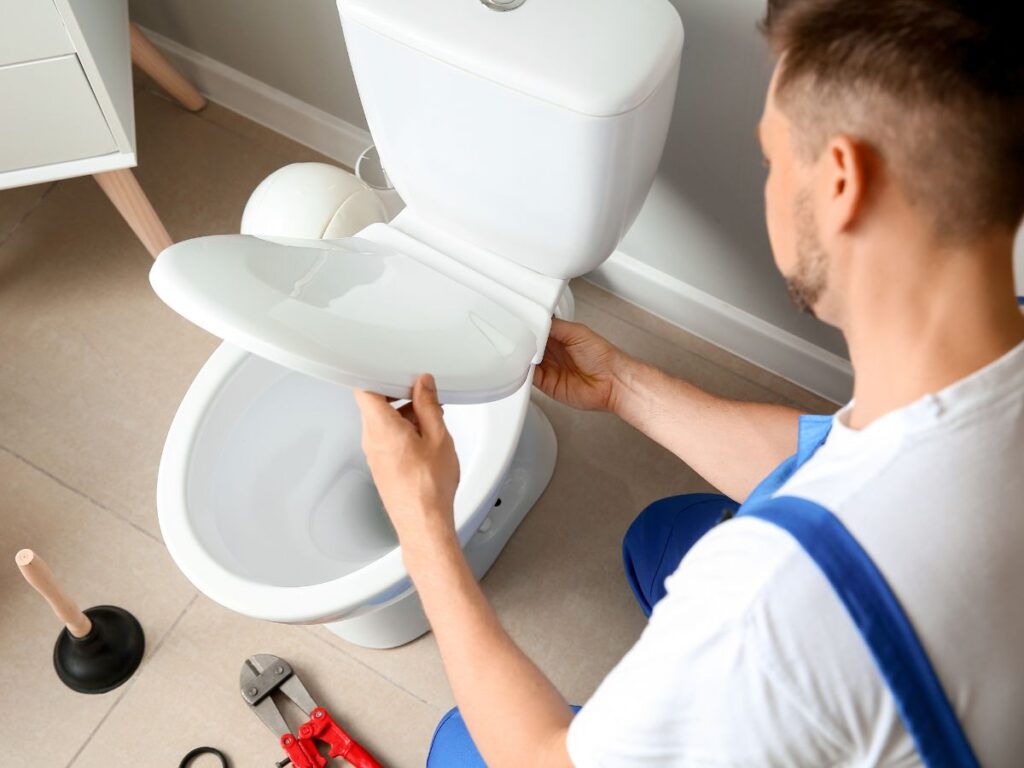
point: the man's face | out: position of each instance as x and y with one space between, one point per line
789 210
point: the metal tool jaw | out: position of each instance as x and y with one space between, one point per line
264 674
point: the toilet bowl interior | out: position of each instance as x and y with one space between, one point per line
278 490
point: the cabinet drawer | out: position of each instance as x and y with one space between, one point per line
50 115
30 30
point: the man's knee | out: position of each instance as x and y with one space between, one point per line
453 747
661 535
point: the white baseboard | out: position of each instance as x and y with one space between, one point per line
761 343
302 122
714 320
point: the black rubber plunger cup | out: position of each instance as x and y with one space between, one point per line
108 654
98 649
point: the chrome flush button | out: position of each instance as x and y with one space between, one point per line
502 5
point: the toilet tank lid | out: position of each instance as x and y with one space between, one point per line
595 57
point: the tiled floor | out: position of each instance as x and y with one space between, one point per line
92 367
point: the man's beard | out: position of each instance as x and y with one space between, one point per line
809 278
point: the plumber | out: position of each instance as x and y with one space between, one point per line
854 597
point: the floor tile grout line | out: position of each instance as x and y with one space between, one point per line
95 502
200 115
28 213
131 683
312 631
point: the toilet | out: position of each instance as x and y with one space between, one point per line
523 136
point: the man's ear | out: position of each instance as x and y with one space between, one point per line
845 177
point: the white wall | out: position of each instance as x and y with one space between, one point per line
292 45
702 228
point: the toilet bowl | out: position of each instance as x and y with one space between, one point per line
264 497
518 174
266 504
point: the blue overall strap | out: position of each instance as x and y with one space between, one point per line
920 699
811 434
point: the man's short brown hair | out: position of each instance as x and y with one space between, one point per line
935 87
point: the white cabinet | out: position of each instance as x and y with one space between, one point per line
65 89
30 29
58 118
66 100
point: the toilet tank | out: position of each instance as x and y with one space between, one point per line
530 128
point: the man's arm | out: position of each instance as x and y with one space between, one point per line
514 713
731 444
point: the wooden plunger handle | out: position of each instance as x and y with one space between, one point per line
38 574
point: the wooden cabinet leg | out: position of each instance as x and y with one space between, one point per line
147 58
131 202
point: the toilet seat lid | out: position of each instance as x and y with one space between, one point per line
350 311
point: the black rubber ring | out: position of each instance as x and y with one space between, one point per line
204 751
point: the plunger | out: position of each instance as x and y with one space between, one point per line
98 649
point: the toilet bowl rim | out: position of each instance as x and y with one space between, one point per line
376 582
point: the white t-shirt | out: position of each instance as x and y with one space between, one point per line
751 659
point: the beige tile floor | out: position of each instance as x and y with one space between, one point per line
92 367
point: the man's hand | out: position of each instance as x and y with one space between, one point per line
413 462
499 691
580 368
732 444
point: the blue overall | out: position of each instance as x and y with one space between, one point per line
663 533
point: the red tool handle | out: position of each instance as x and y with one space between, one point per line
303 752
322 726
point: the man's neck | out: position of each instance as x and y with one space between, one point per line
913 333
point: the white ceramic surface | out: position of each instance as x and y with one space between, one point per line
526 178
316 199
265 501
574 52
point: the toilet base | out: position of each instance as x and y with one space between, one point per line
403 620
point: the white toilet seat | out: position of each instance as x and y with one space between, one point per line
371 311
249 431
